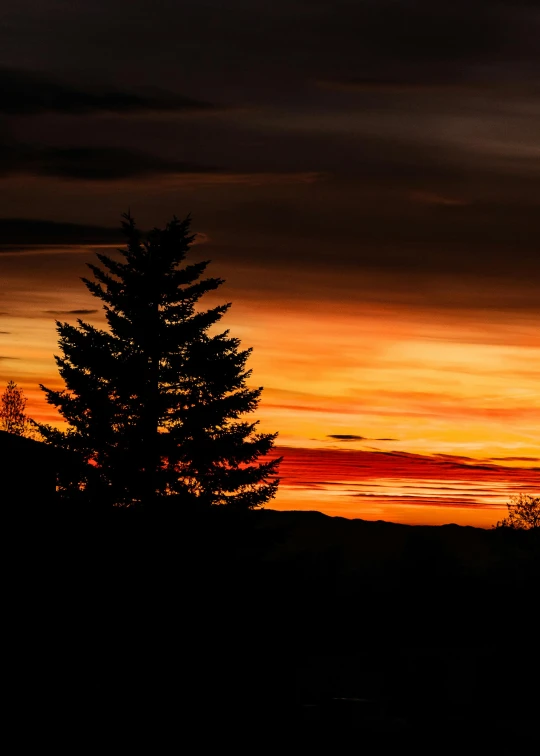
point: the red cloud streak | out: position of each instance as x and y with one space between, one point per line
320 465
399 485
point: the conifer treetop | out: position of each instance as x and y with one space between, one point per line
158 401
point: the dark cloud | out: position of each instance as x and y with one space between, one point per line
352 437
515 459
442 33
34 235
421 42
265 49
89 163
423 134
5 333
390 85
70 312
387 232
346 437
31 93
3 357
30 231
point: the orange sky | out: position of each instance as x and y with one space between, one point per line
368 398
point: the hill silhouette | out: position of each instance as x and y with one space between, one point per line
284 621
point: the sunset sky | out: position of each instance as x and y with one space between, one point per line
366 177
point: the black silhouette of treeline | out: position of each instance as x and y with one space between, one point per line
290 623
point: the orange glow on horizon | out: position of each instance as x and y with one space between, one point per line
353 381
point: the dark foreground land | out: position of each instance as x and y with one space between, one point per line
289 625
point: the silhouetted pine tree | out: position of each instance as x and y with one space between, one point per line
156 403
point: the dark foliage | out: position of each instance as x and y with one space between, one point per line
13 418
523 513
156 404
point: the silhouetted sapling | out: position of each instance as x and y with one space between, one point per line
155 404
13 418
523 513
